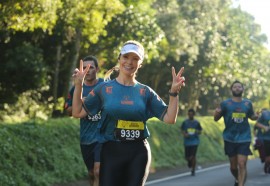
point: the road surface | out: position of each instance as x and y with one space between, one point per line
216 175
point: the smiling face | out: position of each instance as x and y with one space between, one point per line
129 64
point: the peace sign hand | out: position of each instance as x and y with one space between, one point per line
79 74
178 80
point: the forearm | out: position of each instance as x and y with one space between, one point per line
172 111
217 115
254 117
77 110
260 125
69 111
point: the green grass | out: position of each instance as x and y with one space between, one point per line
48 152
40 153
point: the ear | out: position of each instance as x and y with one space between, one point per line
140 65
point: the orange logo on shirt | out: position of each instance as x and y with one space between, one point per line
109 90
142 92
92 93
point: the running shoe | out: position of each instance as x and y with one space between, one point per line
267 168
193 173
236 183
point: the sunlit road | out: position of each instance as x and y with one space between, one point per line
218 175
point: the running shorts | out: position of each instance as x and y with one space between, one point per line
233 149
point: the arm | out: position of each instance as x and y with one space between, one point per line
255 131
199 130
172 111
69 111
185 134
68 103
266 128
77 108
217 114
254 117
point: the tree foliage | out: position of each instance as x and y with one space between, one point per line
215 42
28 15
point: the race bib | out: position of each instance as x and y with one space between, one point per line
238 117
129 130
191 131
96 117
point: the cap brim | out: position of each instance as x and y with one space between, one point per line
133 51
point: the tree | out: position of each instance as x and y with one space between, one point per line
22 61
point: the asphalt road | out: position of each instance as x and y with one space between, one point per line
216 175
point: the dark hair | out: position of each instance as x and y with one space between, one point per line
236 81
91 58
191 110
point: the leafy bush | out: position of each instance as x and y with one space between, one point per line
30 105
35 153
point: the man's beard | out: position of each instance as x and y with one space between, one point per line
237 94
89 78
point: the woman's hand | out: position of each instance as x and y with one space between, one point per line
178 80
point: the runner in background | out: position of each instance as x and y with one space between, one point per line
191 129
237 134
263 123
258 140
90 148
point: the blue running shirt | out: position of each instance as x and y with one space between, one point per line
265 120
88 125
124 106
192 127
236 114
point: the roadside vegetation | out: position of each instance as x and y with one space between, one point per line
41 43
47 152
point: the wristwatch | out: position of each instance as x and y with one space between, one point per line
173 94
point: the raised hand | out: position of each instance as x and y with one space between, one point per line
178 80
79 74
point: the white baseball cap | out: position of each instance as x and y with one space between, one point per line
130 47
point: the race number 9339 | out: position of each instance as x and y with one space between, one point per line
129 130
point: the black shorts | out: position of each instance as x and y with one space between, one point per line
266 147
91 154
233 149
190 151
124 163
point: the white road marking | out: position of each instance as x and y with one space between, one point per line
185 174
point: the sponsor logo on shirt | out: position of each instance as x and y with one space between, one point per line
109 90
127 101
92 93
142 92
